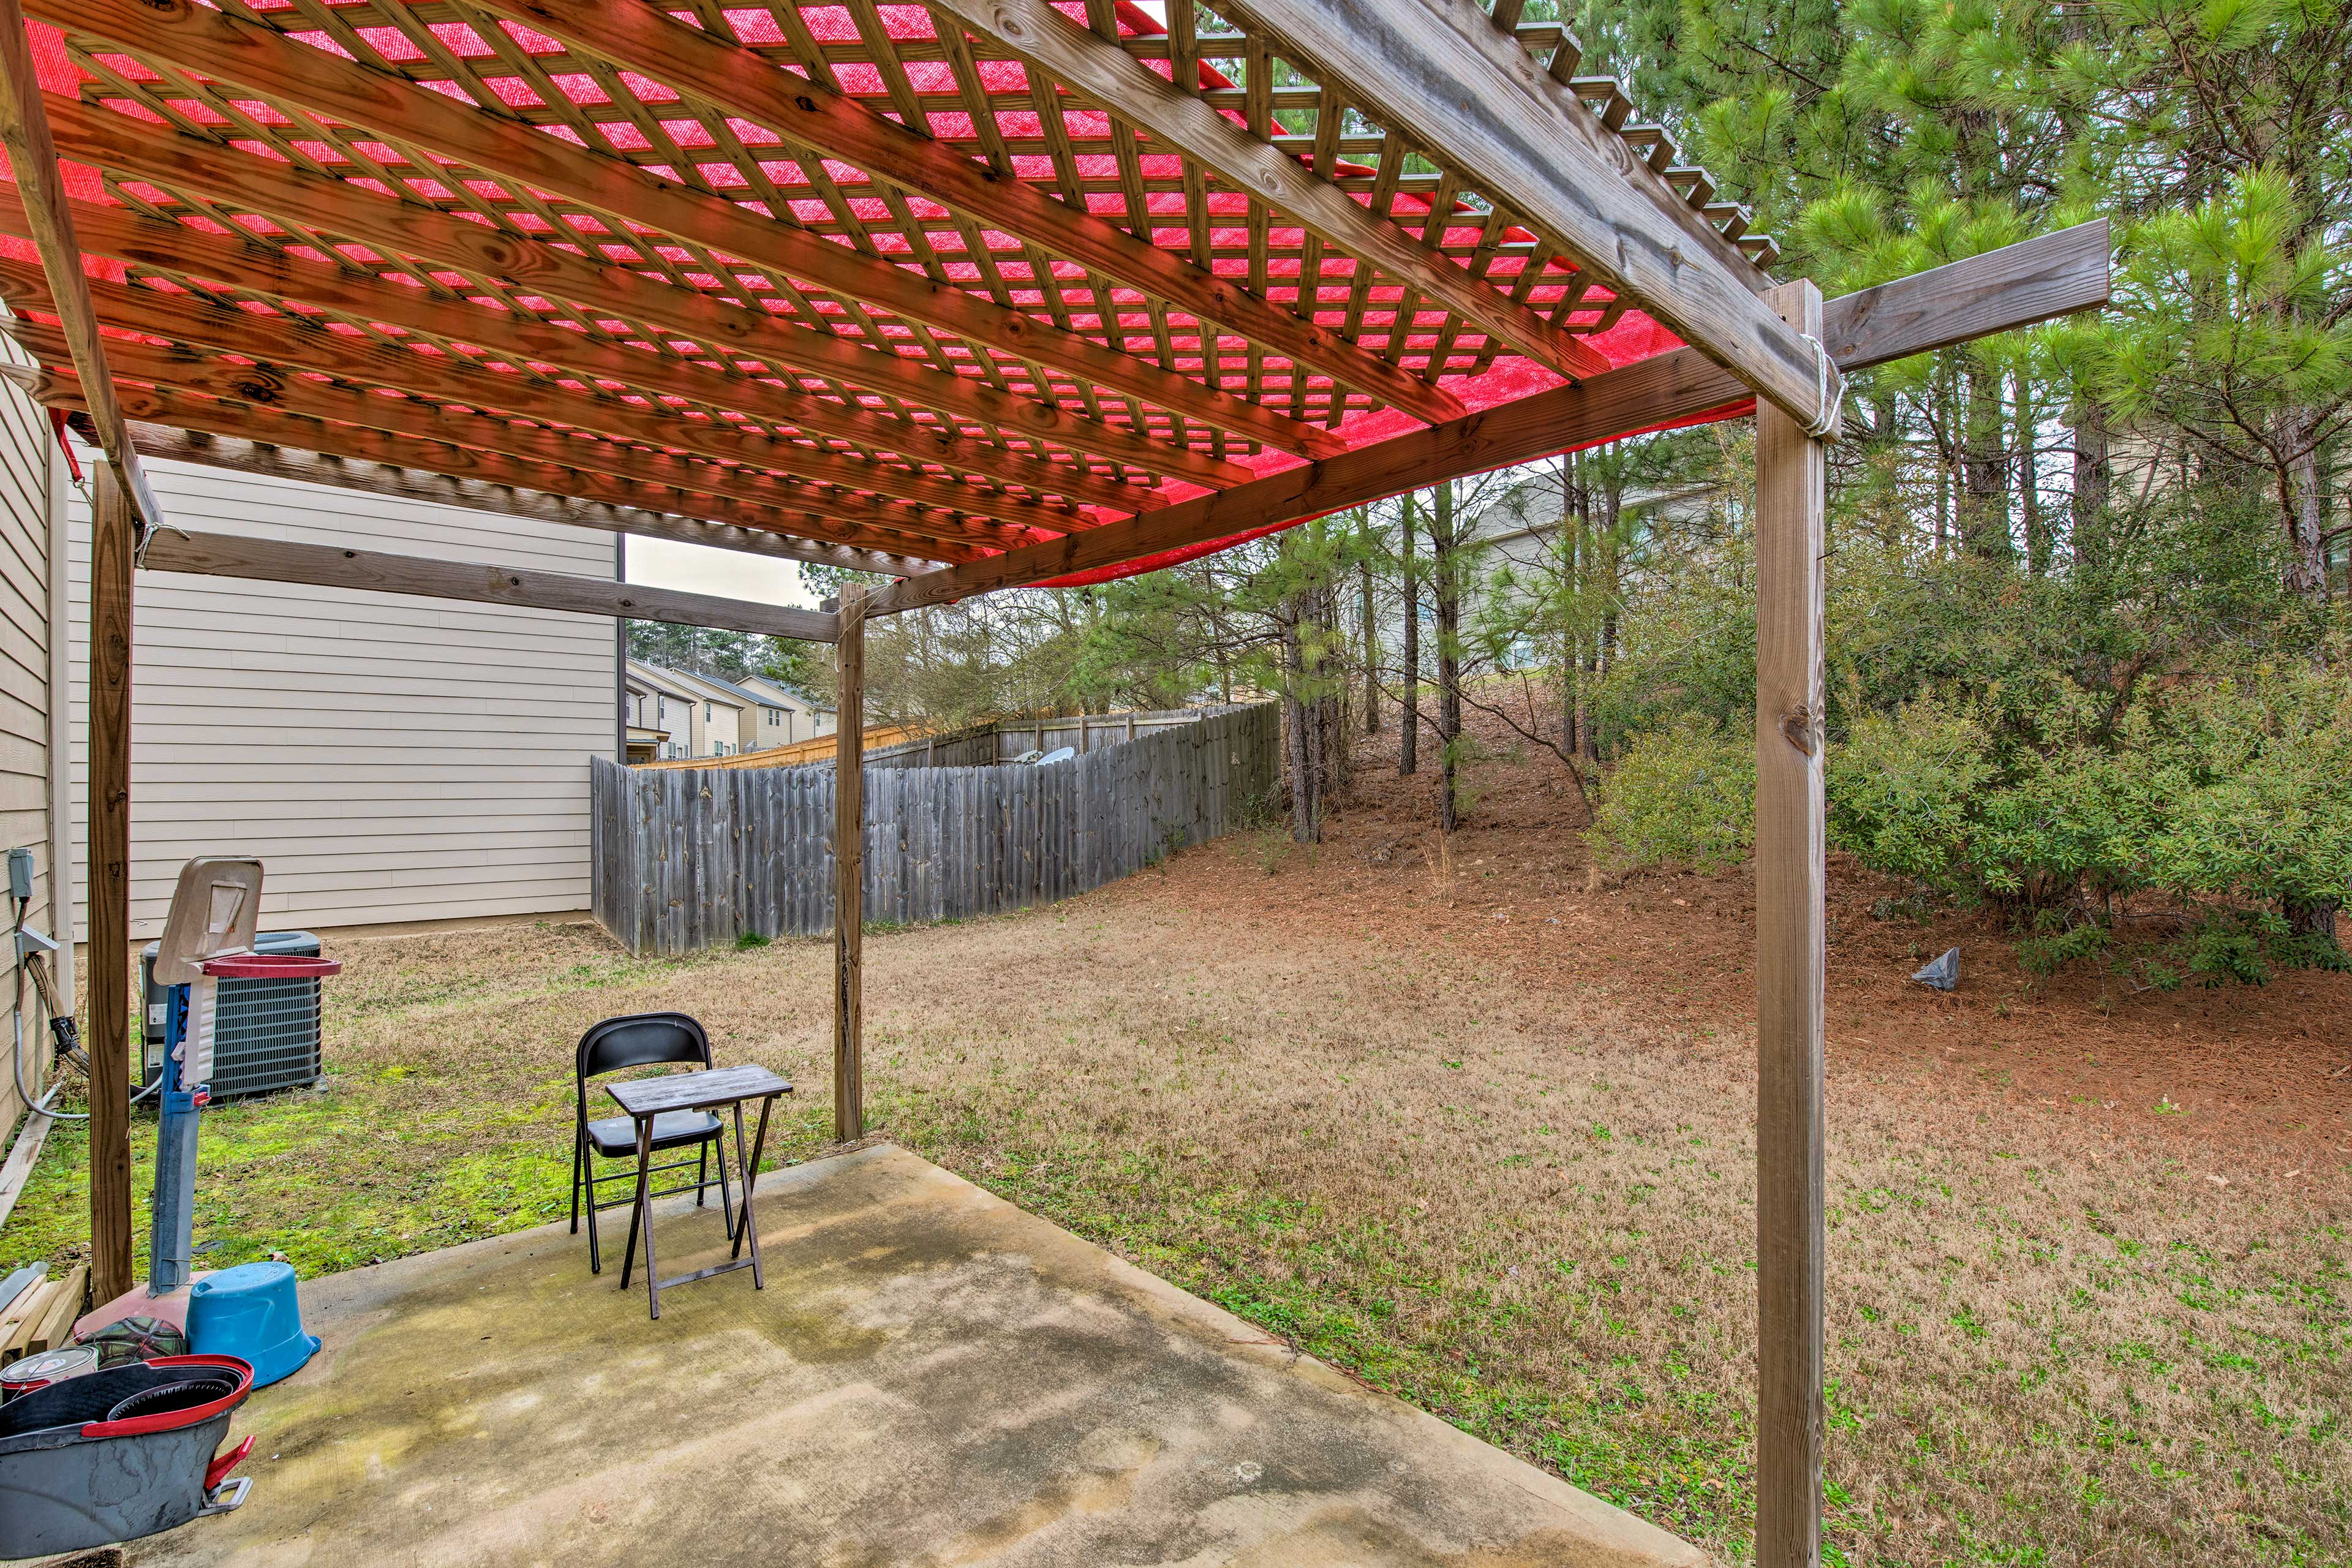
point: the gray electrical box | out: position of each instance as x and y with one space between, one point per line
266 1032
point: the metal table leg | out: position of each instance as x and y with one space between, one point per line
641 1216
751 1167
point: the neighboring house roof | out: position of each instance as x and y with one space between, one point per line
729 687
655 678
697 687
764 683
1533 507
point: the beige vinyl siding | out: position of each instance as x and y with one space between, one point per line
388 758
24 681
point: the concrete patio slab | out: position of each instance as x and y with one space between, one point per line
931 1377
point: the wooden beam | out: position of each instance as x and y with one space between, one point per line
2017 286
332 566
402 228
114 544
384 470
290 339
131 235
265 61
32 159
709 69
1792 498
185 370
1440 72
849 868
1104 72
479 474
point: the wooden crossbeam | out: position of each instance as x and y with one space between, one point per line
384 470
1110 76
332 566
398 227
2017 286
33 160
228 416
292 340
888 526
129 235
263 61
1440 72
707 67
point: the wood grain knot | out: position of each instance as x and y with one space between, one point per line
1797 728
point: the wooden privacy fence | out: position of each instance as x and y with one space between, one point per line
689 858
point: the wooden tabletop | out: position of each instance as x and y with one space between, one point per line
696 1091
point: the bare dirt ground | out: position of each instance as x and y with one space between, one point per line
2257 1074
2089 1299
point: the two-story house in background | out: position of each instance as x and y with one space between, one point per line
772 714
677 714
671 715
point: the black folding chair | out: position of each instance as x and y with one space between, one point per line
640 1039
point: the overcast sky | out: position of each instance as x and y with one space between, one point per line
729 573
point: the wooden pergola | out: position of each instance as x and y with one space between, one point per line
973 294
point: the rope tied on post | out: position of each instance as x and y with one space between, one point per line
1829 402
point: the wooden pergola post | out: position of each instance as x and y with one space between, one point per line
1791 480
113 550
848 866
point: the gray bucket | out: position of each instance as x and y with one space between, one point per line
118 1453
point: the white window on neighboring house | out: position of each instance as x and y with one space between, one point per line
706 712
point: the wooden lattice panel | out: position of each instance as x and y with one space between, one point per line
577 224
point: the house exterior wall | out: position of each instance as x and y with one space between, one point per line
799 720
28 685
388 757
651 707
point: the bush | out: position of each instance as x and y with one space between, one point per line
2230 795
1684 796
1902 789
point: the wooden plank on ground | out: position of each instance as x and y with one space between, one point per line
19 1169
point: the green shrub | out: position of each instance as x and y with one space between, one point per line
1902 789
1682 795
2232 795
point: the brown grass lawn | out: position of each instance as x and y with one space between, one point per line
1481 1136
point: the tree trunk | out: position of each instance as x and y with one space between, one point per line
1295 721
2312 917
1409 667
2093 484
2028 488
1371 634
2306 517
1446 574
1604 647
1571 613
1984 470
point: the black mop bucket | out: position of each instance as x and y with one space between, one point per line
119 1454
